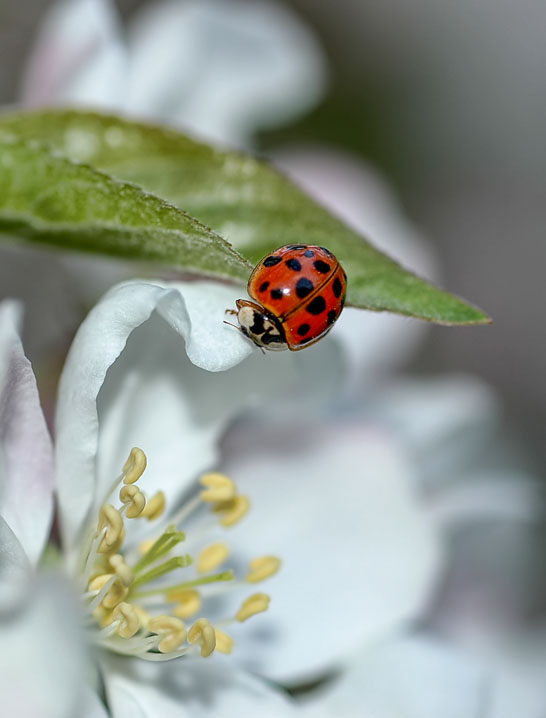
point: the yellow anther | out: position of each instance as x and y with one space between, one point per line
145 546
171 630
262 568
257 603
116 593
203 634
189 602
135 466
102 616
224 643
217 488
144 616
130 620
118 564
154 507
212 556
134 499
233 510
110 518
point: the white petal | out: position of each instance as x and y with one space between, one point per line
223 69
408 677
359 552
208 688
359 195
91 706
78 57
447 406
14 564
42 661
26 461
195 312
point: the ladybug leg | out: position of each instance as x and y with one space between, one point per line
230 311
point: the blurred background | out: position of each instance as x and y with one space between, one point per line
448 101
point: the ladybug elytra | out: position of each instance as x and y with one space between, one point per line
299 292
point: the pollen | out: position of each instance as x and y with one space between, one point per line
203 634
188 600
217 488
135 466
262 568
233 510
224 643
139 589
111 522
212 557
133 499
171 630
257 603
154 507
122 569
128 618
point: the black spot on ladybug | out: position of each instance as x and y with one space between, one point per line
327 251
263 286
296 246
271 261
322 267
308 253
276 294
316 306
336 287
258 324
303 287
332 316
272 338
305 340
303 329
293 264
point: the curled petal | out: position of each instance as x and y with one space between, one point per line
148 368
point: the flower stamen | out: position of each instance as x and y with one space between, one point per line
262 568
126 619
212 557
154 507
112 579
172 632
257 603
233 510
133 499
204 635
217 488
111 519
135 466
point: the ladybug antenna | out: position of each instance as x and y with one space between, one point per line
232 325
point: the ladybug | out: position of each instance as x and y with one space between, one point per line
299 291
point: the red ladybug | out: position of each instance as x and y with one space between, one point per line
301 291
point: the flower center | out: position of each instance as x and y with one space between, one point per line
138 600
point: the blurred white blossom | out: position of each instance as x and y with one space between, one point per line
219 68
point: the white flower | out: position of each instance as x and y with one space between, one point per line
149 368
220 68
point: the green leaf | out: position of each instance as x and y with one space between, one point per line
48 198
243 199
